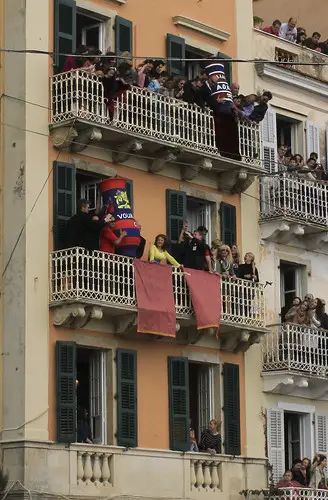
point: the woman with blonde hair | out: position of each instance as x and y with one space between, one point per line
224 262
235 255
248 270
211 440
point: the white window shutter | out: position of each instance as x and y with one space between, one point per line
276 442
321 433
312 139
269 141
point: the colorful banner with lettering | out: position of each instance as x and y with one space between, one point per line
155 299
204 289
116 201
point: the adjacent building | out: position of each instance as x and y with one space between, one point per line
69 343
293 239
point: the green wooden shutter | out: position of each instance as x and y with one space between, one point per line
231 409
228 223
178 370
129 192
64 30
123 36
175 47
176 213
64 200
127 412
227 66
66 391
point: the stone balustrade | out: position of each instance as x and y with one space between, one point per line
205 474
82 470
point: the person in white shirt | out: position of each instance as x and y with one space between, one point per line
288 30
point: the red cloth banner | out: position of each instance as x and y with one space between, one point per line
204 289
155 299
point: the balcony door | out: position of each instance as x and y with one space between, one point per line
290 285
199 214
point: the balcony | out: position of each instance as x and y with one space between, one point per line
86 286
288 55
164 129
295 361
292 207
81 471
289 494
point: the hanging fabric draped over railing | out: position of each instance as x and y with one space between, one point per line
155 299
204 289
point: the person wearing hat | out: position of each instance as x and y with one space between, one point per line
217 94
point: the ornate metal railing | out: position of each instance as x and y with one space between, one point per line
108 279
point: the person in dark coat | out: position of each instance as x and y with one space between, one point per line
142 244
84 434
83 229
217 94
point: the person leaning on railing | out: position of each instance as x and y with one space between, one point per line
319 478
211 440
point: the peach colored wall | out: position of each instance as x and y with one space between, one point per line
150 30
310 15
153 415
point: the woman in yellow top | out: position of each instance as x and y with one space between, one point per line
158 251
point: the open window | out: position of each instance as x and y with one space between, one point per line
81 393
199 214
287 133
291 278
194 398
194 68
90 30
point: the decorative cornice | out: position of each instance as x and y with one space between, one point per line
292 78
205 29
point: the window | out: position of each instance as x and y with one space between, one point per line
199 214
292 426
290 435
201 396
76 26
290 285
287 134
194 68
193 401
81 375
70 186
90 30
91 391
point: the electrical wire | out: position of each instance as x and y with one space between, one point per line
90 146
163 58
276 163
35 202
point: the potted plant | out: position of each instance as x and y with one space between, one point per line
257 22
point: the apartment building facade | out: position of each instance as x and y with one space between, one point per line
293 232
67 346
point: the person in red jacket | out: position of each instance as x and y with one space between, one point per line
108 239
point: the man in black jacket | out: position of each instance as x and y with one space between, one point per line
83 229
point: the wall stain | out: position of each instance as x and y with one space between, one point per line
19 189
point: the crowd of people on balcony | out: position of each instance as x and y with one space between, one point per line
296 34
295 164
305 474
308 312
208 89
96 232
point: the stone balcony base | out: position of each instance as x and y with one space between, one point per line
82 471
